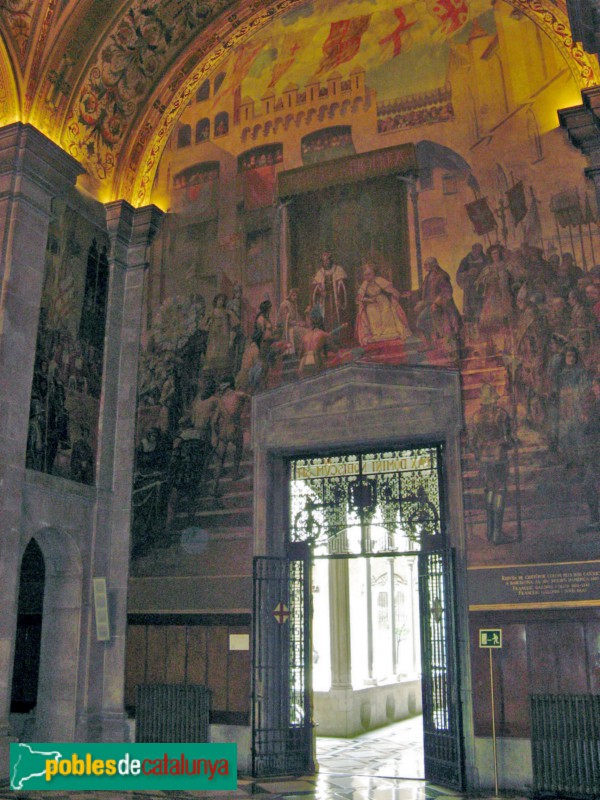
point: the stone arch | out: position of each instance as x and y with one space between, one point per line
142 151
10 104
55 717
24 688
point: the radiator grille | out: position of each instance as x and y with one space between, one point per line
565 744
172 713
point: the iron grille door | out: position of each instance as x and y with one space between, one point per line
442 724
282 726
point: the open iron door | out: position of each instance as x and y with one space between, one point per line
442 718
282 724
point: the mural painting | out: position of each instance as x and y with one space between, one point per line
478 255
67 378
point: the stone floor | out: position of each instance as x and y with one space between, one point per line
392 752
381 765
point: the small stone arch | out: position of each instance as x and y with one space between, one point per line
56 711
184 136
221 124
203 130
218 82
203 92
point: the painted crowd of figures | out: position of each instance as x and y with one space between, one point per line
535 317
64 398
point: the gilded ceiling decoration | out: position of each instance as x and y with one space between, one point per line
17 20
108 79
125 70
393 44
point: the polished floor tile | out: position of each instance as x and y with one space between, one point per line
381 765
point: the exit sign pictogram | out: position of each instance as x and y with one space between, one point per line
490 637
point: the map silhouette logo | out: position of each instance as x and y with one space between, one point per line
30 764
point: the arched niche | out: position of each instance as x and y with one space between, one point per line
55 715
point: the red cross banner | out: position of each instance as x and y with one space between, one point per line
343 42
396 35
281 613
452 14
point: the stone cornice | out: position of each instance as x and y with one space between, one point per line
131 231
582 123
25 150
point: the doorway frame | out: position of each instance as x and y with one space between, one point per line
351 408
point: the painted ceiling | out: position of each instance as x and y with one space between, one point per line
108 79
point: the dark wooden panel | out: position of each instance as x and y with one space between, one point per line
175 655
217 646
569 643
157 651
238 699
135 661
197 665
543 661
480 673
592 635
511 672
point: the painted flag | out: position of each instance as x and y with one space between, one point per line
567 209
245 57
396 35
343 42
481 216
286 57
516 202
452 14
259 187
588 214
532 227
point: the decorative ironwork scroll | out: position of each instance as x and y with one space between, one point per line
364 504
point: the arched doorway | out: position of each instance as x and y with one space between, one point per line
28 635
359 411
58 630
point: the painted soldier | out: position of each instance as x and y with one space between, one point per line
228 430
469 270
491 442
497 306
591 456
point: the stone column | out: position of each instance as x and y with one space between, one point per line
339 624
414 199
283 247
33 171
131 231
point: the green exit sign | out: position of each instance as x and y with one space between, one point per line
490 637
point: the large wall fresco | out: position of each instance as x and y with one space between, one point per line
65 394
481 255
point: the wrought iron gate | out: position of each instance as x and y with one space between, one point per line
355 506
442 728
282 727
